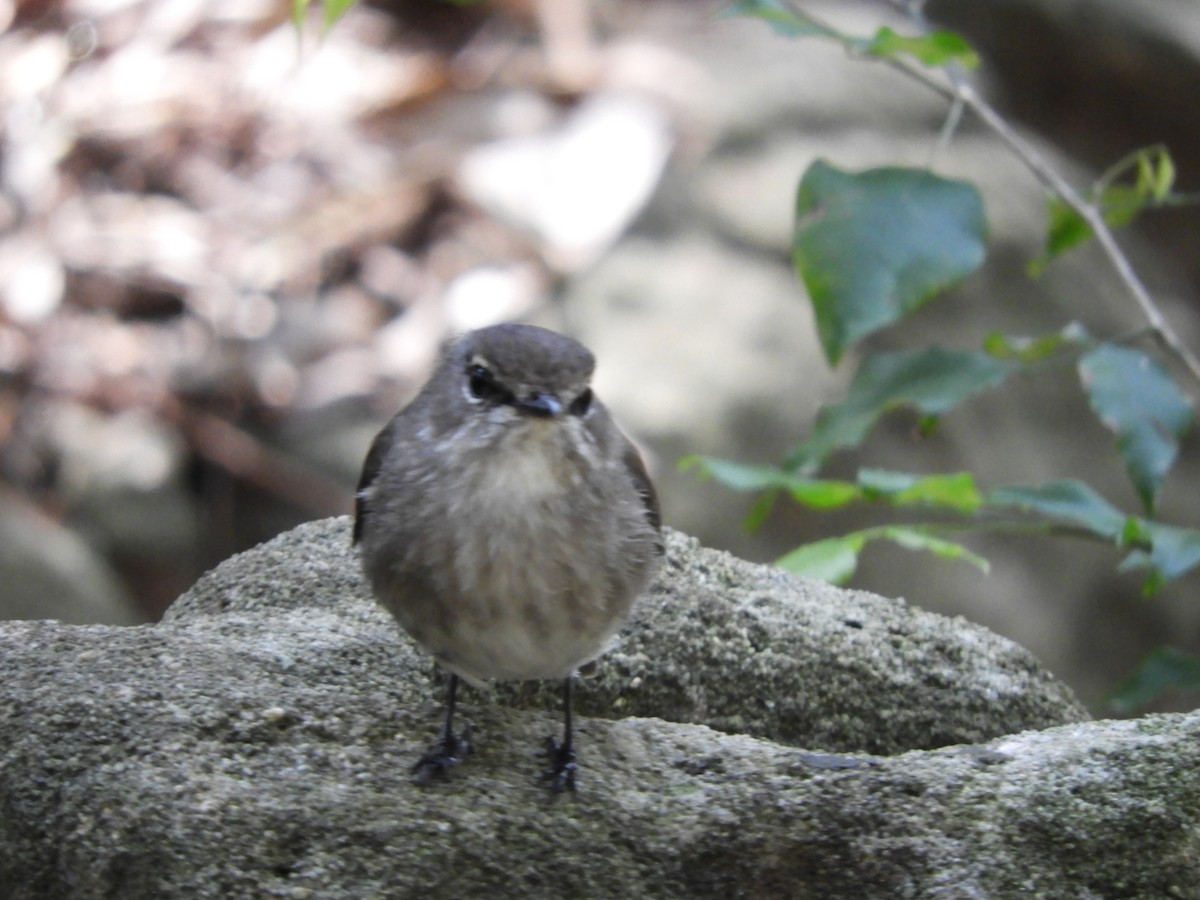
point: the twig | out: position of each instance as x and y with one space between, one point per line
960 90
1090 213
947 132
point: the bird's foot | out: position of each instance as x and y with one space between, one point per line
449 752
561 773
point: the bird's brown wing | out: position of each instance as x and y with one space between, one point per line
645 487
370 472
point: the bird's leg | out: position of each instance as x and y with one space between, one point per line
450 748
561 773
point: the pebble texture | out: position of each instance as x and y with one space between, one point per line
740 647
257 743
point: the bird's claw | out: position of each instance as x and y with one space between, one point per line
561 773
450 751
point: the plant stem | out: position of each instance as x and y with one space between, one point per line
960 91
1163 331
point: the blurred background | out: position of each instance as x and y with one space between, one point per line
229 251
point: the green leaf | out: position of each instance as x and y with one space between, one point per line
739 476
1153 176
334 10
873 246
1158 179
1136 399
941 48
1173 551
1068 501
823 494
331 12
1030 350
812 492
781 19
757 517
1140 559
1164 551
938 49
955 492
916 537
1153 173
1065 229
1163 670
1119 203
836 559
933 381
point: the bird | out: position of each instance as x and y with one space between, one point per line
507 523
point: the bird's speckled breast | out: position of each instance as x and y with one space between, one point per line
538 585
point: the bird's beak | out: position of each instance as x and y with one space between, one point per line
543 406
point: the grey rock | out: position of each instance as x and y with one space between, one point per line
739 647
257 742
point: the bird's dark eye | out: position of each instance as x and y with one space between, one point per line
482 385
582 403
479 382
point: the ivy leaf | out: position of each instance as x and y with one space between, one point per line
955 492
1119 202
1173 552
815 493
1030 350
1136 399
739 476
941 48
836 559
1163 670
1068 501
1065 229
873 246
921 538
1165 552
933 380
757 517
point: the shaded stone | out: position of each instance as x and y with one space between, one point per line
258 742
737 646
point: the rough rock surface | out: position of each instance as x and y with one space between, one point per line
258 743
721 642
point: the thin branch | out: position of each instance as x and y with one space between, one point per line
960 90
1002 524
1093 216
949 129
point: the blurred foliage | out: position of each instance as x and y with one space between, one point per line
874 246
1142 180
1163 670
